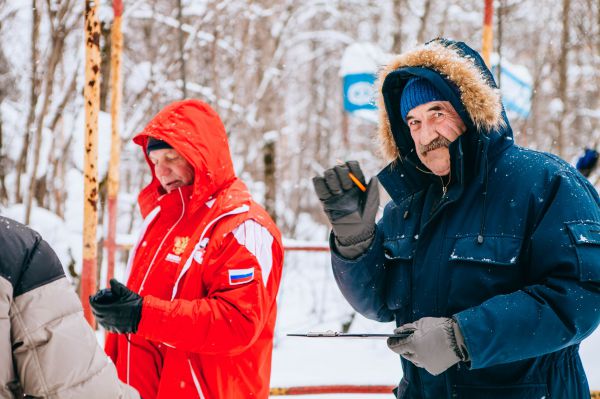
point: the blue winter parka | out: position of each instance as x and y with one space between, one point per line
511 250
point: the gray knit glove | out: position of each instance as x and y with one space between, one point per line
350 210
436 344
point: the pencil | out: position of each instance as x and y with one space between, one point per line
357 182
353 178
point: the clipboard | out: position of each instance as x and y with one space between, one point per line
336 334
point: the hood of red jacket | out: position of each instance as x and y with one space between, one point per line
196 132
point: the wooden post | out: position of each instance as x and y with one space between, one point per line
488 34
115 148
91 94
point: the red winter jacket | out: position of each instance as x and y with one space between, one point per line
208 264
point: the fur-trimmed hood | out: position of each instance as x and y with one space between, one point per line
457 71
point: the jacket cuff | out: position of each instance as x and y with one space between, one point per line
352 250
152 315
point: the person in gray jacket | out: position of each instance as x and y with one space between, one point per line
47 349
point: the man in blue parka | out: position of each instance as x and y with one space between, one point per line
488 253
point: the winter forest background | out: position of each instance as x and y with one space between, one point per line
271 69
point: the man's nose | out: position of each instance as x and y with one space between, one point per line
428 133
161 171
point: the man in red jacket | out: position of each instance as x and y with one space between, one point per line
196 318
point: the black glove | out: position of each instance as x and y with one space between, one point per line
350 210
117 309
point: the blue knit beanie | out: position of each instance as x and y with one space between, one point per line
418 91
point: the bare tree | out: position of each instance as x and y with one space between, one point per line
398 8
60 27
33 97
563 63
424 21
180 42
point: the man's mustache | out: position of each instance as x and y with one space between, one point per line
439 142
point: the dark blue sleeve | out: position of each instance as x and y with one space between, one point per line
362 280
26 260
561 262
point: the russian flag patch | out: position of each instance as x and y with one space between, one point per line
241 276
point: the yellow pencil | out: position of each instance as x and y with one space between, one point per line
357 182
353 178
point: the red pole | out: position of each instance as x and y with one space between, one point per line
115 150
331 389
488 34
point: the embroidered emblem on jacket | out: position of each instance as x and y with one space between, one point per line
241 276
180 244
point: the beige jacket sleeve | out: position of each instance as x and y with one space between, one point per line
55 352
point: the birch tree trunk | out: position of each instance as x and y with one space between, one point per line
58 39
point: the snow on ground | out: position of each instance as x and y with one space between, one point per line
590 356
309 300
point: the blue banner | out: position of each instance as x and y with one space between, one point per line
359 92
516 92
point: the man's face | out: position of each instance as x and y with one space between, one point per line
171 169
433 126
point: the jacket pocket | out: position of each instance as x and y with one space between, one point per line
533 391
399 253
494 250
483 269
586 237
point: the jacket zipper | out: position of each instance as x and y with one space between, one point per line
163 241
145 226
202 243
153 214
196 381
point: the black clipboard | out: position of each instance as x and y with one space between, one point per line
336 334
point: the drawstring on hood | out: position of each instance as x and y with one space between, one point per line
484 195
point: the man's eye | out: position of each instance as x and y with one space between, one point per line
439 114
413 122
